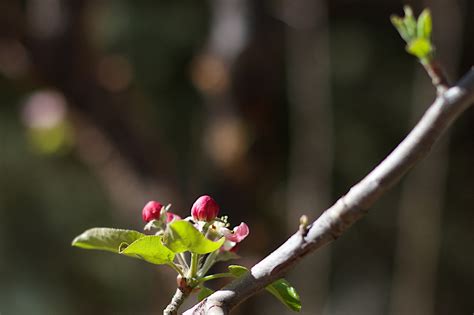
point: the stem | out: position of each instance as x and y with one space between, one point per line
176 268
182 261
176 301
194 264
208 263
216 276
437 75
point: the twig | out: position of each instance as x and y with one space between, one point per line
176 301
437 75
351 207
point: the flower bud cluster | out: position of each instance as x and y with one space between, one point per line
204 217
204 214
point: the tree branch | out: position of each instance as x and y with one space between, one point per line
178 299
351 207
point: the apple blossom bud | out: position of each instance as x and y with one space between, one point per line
151 211
170 216
205 209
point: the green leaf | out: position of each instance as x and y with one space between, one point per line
424 25
420 47
226 255
182 236
280 288
411 29
204 292
408 11
287 294
409 21
416 33
106 239
237 271
400 26
396 20
151 249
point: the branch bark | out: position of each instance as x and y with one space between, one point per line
178 299
352 206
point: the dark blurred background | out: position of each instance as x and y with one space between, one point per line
275 108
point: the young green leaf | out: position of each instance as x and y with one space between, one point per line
204 292
424 25
396 21
237 270
400 26
416 33
409 21
421 48
226 255
151 249
182 236
287 294
106 239
280 288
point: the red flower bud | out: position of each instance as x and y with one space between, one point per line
151 211
170 216
205 209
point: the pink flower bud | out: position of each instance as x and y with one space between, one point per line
151 211
204 209
170 216
239 233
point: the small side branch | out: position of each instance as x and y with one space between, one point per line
351 207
